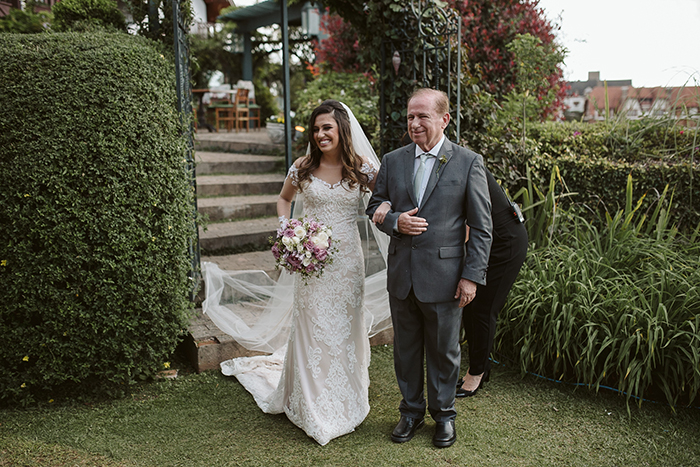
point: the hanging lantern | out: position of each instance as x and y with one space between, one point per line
396 61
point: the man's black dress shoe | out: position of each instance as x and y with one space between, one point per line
406 428
445 434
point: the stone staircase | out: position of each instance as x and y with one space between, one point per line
238 192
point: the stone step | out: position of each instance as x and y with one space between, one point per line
251 184
254 260
238 207
238 234
231 163
256 141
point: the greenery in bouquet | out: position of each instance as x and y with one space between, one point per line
303 246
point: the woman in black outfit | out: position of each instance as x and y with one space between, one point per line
508 251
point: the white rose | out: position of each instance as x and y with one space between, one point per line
306 261
308 254
299 232
320 241
295 240
287 241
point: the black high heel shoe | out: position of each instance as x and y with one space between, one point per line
464 393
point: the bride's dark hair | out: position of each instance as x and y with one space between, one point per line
352 162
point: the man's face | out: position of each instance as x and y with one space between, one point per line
425 125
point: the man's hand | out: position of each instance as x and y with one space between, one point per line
466 291
408 224
380 213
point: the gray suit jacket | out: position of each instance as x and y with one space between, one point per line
457 193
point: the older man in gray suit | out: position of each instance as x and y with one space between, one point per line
428 191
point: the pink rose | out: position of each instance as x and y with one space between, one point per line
294 261
321 254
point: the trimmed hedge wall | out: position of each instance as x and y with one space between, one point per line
95 214
595 164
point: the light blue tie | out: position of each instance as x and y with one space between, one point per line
420 173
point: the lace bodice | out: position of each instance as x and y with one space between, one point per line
334 205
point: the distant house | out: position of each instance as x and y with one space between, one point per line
576 100
635 103
588 100
5 6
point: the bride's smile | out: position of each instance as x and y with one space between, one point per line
325 133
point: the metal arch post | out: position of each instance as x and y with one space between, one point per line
184 108
287 101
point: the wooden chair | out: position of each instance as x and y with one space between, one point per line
254 114
242 109
225 113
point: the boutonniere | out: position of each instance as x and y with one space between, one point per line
443 161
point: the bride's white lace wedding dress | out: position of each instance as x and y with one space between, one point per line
320 379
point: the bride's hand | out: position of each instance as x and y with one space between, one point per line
380 213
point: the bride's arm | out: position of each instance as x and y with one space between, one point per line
289 190
369 169
380 213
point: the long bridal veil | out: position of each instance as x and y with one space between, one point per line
256 310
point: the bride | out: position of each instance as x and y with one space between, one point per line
319 379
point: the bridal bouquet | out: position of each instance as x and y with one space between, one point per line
303 246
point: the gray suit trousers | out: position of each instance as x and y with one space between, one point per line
435 328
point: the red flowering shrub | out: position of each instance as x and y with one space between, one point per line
339 51
488 26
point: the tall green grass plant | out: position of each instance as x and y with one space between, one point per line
615 303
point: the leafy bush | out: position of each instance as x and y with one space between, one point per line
600 184
616 306
26 21
595 160
353 89
625 140
95 213
87 15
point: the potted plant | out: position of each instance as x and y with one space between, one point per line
275 128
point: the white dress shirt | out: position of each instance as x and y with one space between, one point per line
429 164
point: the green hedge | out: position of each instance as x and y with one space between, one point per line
600 184
87 15
625 140
595 160
94 212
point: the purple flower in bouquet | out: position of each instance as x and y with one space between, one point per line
294 261
321 254
304 246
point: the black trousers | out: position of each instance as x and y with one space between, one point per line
508 252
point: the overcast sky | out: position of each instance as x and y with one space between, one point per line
651 42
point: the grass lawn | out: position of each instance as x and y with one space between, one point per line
210 420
